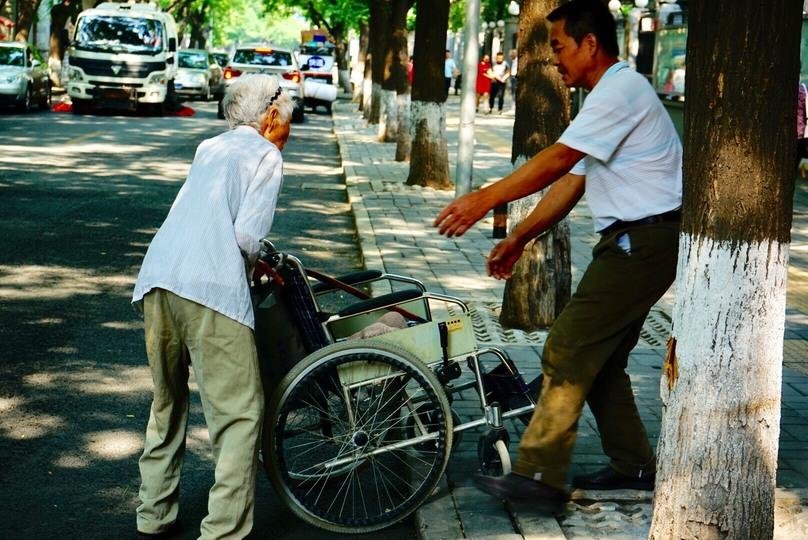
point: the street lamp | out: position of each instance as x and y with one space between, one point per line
642 4
614 6
513 8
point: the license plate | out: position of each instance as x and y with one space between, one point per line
116 93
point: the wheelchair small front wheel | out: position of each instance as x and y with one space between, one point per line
492 453
344 443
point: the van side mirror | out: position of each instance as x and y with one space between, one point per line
305 67
172 44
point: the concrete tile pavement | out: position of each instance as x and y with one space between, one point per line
394 222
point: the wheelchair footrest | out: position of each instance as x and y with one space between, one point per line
510 390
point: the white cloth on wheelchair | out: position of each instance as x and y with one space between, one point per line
388 322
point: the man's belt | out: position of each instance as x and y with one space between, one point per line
671 216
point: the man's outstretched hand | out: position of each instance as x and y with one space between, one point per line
461 214
503 257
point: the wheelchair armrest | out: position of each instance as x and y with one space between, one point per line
350 279
371 304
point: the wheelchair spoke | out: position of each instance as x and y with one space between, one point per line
342 438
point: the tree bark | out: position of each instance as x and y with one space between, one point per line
429 160
542 280
717 455
359 67
343 68
395 71
379 32
402 84
26 13
58 41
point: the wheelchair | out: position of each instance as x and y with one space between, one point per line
358 431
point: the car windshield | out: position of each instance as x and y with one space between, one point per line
317 49
120 34
193 60
12 56
260 57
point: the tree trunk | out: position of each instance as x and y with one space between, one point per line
379 32
717 455
541 282
429 161
360 66
343 68
26 13
367 88
395 70
58 41
402 85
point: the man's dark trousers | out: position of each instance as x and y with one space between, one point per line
497 92
586 354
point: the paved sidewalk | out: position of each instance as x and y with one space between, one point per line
394 222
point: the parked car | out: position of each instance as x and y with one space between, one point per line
273 61
24 79
199 76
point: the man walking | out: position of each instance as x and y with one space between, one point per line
631 171
449 70
514 77
499 79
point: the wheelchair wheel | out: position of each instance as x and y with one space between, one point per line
492 453
338 443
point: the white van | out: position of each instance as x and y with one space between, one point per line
122 55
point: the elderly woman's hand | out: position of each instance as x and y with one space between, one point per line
461 214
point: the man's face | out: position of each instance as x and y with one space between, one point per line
571 59
500 58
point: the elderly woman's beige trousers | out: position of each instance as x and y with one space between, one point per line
222 353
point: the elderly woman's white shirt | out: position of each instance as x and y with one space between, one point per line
223 210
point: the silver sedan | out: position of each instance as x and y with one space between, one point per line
24 80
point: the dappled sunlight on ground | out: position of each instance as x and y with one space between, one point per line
18 424
114 444
93 381
25 282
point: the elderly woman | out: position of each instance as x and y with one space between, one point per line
197 310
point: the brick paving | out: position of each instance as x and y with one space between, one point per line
394 222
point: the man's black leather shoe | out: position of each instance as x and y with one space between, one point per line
608 478
169 532
515 487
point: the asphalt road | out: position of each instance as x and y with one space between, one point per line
80 199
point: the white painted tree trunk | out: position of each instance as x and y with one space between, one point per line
403 139
367 97
388 117
375 103
344 78
429 161
729 317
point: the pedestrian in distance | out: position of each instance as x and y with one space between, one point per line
449 70
483 84
194 292
500 73
802 125
623 151
514 77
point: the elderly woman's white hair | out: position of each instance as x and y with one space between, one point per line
252 96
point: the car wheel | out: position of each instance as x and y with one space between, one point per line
47 98
328 108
